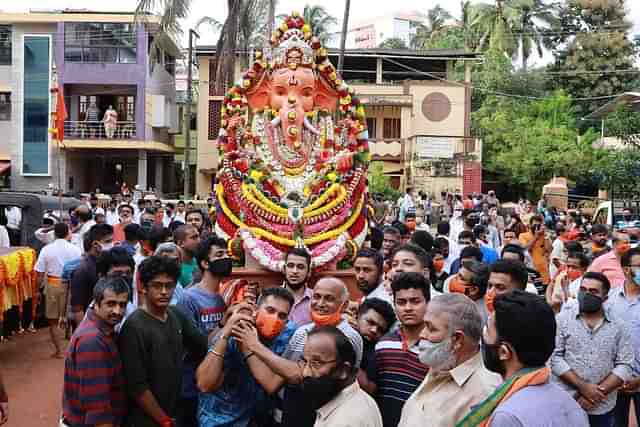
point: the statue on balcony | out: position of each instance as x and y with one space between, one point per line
110 120
292 174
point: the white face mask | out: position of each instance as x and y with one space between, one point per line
437 355
106 246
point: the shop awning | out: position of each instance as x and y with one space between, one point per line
5 165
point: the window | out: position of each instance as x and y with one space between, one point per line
391 128
170 64
35 146
371 128
100 42
5 45
5 106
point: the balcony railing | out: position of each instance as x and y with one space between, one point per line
387 148
96 130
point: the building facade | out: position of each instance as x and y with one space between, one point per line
368 34
418 116
101 61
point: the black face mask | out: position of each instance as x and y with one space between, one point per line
589 303
319 391
146 225
490 357
221 267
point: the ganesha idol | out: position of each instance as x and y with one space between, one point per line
293 169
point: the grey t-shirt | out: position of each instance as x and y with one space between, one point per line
545 405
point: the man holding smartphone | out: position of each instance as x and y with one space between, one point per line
539 246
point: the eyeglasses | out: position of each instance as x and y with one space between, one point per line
314 365
160 286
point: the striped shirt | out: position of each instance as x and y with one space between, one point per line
399 375
93 378
296 411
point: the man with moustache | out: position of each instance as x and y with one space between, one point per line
329 381
517 342
329 301
297 270
94 385
457 379
369 269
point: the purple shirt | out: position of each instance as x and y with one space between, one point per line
301 311
540 405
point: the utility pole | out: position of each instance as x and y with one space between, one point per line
187 121
345 25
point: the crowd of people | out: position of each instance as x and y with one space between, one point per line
485 318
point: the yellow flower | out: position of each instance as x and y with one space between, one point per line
306 28
331 176
256 175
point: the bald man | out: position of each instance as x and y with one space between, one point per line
328 304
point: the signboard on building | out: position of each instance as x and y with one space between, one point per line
428 147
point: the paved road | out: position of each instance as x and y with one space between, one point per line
33 380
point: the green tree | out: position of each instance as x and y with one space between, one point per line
530 142
624 124
595 54
319 20
393 43
381 183
435 23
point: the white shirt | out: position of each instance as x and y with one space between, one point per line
182 217
97 210
381 293
4 237
53 257
78 237
111 218
352 407
14 217
44 236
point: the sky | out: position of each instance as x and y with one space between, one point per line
360 9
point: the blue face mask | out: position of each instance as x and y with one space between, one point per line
636 276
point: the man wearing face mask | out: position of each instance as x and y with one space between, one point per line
457 379
567 283
234 383
100 238
622 304
516 343
329 382
472 281
593 353
297 270
328 303
505 277
205 307
609 263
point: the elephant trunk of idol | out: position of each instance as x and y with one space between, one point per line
291 120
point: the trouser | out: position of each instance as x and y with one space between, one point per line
602 420
187 415
621 411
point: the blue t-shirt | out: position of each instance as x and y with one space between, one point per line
240 399
205 310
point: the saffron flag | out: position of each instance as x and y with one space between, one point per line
61 115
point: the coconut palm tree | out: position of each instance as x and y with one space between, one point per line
319 20
514 26
435 23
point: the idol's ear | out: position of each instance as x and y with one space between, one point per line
326 98
258 96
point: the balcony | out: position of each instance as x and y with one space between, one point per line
124 130
93 135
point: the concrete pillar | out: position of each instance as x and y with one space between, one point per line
159 174
378 71
142 169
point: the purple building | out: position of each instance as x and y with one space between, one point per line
121 105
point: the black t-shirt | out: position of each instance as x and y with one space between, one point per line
152 356
83 281
368 364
